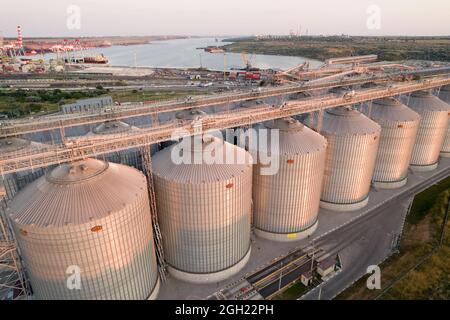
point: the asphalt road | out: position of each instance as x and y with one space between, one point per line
363 241
373 237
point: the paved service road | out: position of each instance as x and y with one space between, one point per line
373 239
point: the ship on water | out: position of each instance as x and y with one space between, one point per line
212 49
98 59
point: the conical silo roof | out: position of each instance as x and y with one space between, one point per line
420 100
190 114
343 121
13 144
193 173
295 138
444 94
77 193
112 127
390 109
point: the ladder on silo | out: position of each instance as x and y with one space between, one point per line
147 169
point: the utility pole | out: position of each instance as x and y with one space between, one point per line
281 277
444 223
224 66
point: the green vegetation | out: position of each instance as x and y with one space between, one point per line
20 103
293 293
424 201
420 269
322 48
140 95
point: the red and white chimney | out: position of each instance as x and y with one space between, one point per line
19 37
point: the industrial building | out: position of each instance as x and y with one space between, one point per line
399 126
91 104
90 217
433 127
353 141
286 204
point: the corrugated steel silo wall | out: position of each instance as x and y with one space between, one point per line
288 202
430 137
394 153
444 95
349 167
205 227
116 263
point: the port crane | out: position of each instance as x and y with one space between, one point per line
247 61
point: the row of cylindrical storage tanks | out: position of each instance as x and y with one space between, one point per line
93 217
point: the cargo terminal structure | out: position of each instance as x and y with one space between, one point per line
195 220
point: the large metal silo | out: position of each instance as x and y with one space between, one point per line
433 127
89 218
399 126
444 95
353 141
286 202
116 129
16 147
189 115
204 209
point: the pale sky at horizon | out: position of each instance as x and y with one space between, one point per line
231 17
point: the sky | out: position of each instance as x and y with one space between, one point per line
219 17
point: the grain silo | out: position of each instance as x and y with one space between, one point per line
90 218
351 154
399 126
189 115
434 115
204 209
286 202
116 128
112 127
14 147
444 95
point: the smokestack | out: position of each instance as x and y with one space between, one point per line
19 37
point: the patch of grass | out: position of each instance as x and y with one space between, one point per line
425 200
293 293
429 280
22 103
138 95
